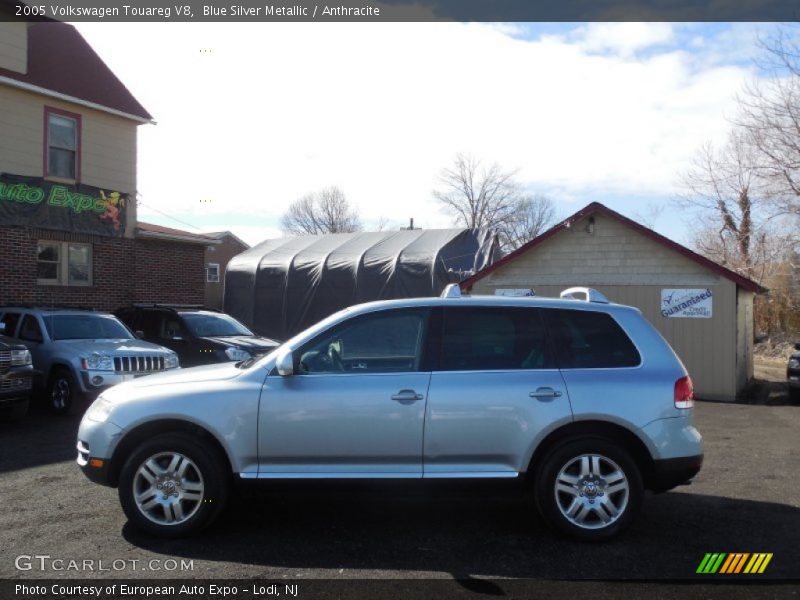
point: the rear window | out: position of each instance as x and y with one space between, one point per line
590 340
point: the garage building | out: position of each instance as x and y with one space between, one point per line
704 310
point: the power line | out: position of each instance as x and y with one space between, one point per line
161 212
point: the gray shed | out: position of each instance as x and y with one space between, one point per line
282 286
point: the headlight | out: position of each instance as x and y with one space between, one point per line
99 410
20 358
171 361
794 363
236 354
97 362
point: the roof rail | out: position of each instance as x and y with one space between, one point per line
584 293
452 290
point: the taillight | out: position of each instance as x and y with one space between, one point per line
684 393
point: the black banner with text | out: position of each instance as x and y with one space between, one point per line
36 202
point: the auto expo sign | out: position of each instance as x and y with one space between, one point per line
687 304
36 202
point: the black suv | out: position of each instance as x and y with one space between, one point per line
199 336
16 377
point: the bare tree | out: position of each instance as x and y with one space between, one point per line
724 184
490 198
325 211
532 215
770 116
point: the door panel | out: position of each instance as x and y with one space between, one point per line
495 391
355 406
485 422
342 425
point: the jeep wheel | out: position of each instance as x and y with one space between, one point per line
589 489
172 486
62 391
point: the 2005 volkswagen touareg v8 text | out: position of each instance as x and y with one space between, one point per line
581 396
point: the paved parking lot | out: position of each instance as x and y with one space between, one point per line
746 499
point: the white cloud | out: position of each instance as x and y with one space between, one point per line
624 39
275 111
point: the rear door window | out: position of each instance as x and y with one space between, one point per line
488 338
590 340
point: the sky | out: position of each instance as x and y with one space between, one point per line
250 117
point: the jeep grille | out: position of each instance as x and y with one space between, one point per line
138 364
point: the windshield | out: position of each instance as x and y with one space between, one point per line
214 325
85 327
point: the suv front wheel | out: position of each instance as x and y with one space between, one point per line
62 391
172 486
589 489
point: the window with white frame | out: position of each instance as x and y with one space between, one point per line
212 273
63 263
62 144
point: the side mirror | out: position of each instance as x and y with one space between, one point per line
139 334
285 363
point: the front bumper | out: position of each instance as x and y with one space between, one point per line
16 385
672 472
96 443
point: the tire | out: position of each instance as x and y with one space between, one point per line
170 506
794 394
63 393
576 494
14 412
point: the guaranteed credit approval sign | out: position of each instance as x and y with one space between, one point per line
687 304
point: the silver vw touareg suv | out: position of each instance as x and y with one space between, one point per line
581 397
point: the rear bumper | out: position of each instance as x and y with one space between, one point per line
671 472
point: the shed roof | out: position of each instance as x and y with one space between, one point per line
61 61
598 208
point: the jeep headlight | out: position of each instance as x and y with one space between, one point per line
171 361
20 358
236 354
97 362
794 363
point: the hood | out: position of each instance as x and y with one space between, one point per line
215 372
251 343
113 346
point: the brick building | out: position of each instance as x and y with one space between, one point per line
69 233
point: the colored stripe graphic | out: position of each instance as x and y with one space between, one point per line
728 564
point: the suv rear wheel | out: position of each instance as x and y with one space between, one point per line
589 489
172 486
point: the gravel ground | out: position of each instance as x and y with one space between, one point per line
745 500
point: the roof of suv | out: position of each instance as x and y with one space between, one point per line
55 311
537 301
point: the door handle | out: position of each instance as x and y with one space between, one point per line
406 396
545 393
